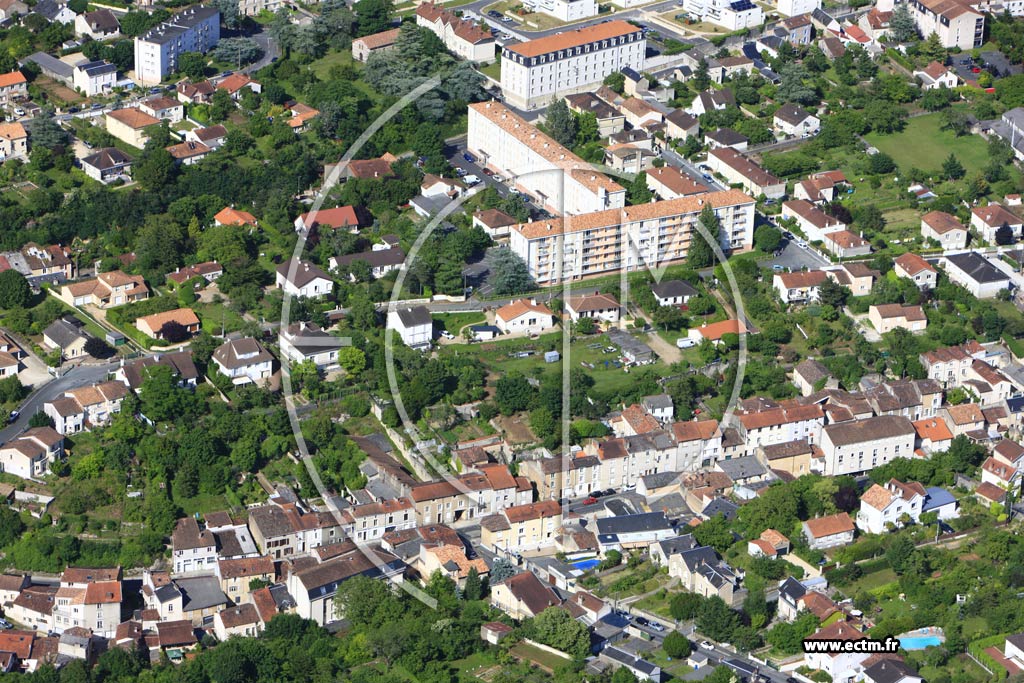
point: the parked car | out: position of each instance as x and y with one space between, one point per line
657 627
589 501
13 417
488 171
471 180
642 621
685 343
4 624
469 157
707 645
447 335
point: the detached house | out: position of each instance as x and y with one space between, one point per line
524 316
305 341
935 76
600 307
800 287
107 290
887 317
794 120
523 596
13 140
884 507
829 532
153 326
988 220
244 360
79 409
30 454
303 279
415 326
944 229
702 571
913 267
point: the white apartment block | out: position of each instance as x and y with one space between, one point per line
794 8
860 445
536 164
251 8
732 14
633 238
94 78
565 10
196 29
781 425
881 506
955 22
536 72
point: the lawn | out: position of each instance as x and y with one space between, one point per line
538 656
923 144
454 322
871 582
493 70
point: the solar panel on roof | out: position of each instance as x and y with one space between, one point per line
742 5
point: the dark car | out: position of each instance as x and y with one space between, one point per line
642 621
468 157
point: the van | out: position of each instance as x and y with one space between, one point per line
685 343
471 180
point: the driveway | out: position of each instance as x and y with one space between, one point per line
669 353
80 376
863 326
795 258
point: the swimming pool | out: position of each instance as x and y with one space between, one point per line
584 565
919 642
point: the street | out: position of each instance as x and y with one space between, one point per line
795 258
78 376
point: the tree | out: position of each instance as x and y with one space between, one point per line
473 589
612 558
700 253
40 419
616 81
881 163
14 289
932 49
509 274
952 168
899 554
623 675
373 16
767 238
956 121
637 192
833 294
229 14
1004 235
155 169
353 360
585 325
97 348
676 645
702 77
513 393
500 570
237 51
717 620
686 605
902 26
715 533
561 124
791 86
46 132
556 628
193 65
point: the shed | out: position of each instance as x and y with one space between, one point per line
115 338
551 356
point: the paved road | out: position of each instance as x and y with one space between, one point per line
521 31
796 258
269 47
79 376
674 159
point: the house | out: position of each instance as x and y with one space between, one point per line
177 635
244 360
933 435
640 668
195 93
314 588
913 267
799 287
711 100
738 169
610 119
700 570
79 409
380 262
237 82
951 365
523 596
976 273
55 11
13 140
524 316
887 317
673 292
828 532
303 279
856 276
188 153
935 76
69 338
13 86
964 418
494 222
107 164
988 220
370 169
229 215
192 549
944 229
363 47
347 217
99 25
770 543
846 244
727 138
465 38
302 116
793 120
597 306
891 670
239 620
237 575
815 190
1013 649
371 521
811 375
884 507
860 445
208 271
414 326
639 112
304 341
840 665
668 182
153 325
213 137
129 125
713 332
30 454
522 527
93 78
680 125
627 531
133 373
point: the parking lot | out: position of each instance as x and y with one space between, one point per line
795 258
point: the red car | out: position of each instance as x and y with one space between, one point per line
590 501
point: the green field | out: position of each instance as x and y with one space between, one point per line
923 144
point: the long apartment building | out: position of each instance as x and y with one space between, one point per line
196 29
630 238
535 72
536 164
465 38
957 23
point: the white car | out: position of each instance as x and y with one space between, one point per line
685 343
447 335
707 645
471 180
801 244
18 111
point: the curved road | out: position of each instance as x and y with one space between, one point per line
78 376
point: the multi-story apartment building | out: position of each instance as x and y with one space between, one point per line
537 71
536 164
370 521
861 445
698 444
286 530
565 10
471 496
192 548
625 459
557 477
196 29
955 22
463 37
781 425
636 237
950 365
732 14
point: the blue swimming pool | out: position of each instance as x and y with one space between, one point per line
584 565
919 642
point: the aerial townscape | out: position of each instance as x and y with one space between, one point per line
511 341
